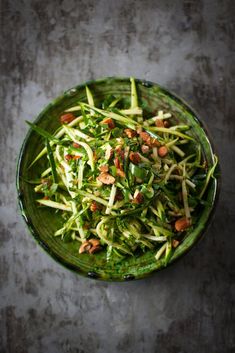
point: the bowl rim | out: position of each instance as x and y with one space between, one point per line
93 275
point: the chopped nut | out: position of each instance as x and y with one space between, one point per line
106 178
76 145
95 206
162 151
145 148
145 137
109 122
182 224
159 123
119 167
120 152
104 168
139 198
85 247
175 243
67 118
68 157
135 157
150 141
117 162
91 246
76 157
166 123
130 133
95 249
94 242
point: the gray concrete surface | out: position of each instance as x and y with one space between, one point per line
49 46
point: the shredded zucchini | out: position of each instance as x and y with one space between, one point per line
121 181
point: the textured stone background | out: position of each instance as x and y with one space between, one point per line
49 46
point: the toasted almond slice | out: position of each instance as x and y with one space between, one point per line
135 157
182 224
106 178
94 242
109 122
67 118
130 133
145 148
85 247
162 151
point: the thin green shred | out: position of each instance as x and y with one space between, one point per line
209 176
134 97
42 132
52 162
171 132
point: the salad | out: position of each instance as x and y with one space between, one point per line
123 181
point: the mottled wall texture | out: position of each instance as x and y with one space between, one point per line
48 46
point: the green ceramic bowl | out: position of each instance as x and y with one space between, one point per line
42 222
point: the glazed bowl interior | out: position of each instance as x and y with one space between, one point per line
43 222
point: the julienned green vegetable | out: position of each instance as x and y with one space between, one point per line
123 183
